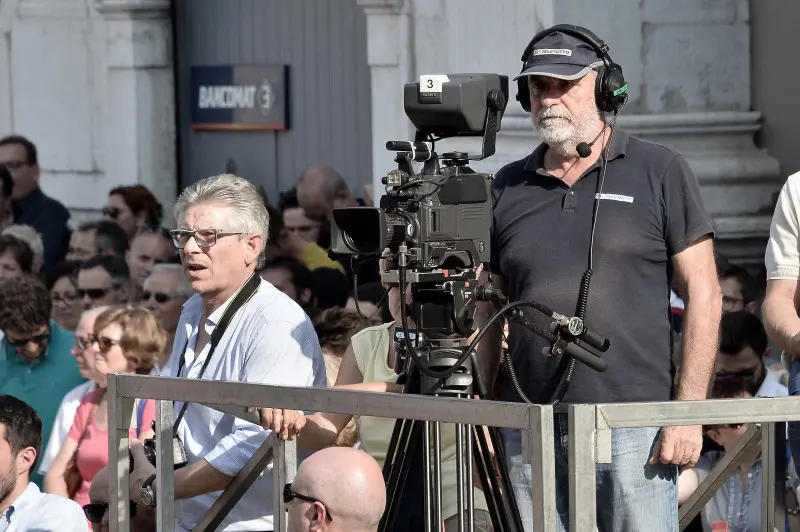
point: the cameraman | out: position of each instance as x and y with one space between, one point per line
222 229
650 222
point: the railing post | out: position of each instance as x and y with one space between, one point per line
120 415
284 468
582 469
165 468
541 457
773 475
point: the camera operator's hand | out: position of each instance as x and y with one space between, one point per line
286 423
141 470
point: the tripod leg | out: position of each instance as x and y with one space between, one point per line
470 490
396 478
460 480
426 461
437 475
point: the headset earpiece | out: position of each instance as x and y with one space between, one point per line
611 89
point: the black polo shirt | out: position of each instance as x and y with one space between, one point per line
650 209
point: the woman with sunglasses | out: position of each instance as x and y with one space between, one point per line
133 207
127 340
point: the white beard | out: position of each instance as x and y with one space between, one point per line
562 131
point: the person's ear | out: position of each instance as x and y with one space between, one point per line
305 295
25 459
318 518
254 244
715 436
751 307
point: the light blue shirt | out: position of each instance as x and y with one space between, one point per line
269 341
42 512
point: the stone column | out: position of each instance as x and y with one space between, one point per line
388 53
687 64
139 145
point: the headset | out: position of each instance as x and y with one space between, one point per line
610 90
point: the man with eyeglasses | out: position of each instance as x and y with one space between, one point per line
222 228
104 280
31 206
36 364
23 507
338 489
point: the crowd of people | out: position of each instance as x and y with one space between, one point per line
244 289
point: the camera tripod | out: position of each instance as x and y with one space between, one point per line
472 443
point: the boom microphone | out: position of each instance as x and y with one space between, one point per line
585 150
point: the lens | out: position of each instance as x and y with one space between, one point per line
367 230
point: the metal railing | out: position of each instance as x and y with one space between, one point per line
232 397
590 444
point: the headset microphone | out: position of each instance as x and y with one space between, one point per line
585 150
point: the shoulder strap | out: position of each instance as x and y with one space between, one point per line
244 295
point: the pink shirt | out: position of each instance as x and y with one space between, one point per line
93 450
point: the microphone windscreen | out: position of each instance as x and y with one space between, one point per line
583 149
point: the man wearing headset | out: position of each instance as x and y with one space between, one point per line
598 220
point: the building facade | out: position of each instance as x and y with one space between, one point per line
95 83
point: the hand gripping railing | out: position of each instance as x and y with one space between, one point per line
590 444
536 421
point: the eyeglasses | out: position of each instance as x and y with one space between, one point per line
111 212
729 303
289 494
746 374
103 343
205 238
159 297
93 293
97 510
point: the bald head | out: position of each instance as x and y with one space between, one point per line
349 485
321 189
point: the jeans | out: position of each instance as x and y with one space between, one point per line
794 427
632 495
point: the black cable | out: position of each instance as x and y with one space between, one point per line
354 269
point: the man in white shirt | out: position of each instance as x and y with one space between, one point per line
222 229
22 506
84 354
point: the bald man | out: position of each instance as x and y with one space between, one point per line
338 489
321 189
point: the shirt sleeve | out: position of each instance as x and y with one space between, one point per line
79 423
315 257
283 353
494 251
685 216
148 416
782 258
704 465
58 434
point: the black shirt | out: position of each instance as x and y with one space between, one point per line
49 217
650 209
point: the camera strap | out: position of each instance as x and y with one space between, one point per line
244 295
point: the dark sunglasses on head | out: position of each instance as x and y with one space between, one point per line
39 339
97 510
159 297
93 293
111 212
289 494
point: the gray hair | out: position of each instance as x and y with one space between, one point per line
249 212
184 286
29 235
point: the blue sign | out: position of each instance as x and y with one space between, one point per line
240 97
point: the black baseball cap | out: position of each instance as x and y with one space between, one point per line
561 56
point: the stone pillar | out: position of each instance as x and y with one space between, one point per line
388 53
687 64
139 146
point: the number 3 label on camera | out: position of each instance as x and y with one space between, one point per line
430 88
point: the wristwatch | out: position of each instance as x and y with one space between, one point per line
147 493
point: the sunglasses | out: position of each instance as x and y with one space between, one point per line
93 293
39 339
105 344
111 212
289 495
159 297
746 374
97 510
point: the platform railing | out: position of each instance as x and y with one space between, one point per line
535 421
590 429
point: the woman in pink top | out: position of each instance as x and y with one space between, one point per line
128 340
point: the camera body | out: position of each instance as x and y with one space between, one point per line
443 214
178 453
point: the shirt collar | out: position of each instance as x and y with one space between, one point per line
194 307
617 148
27 498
